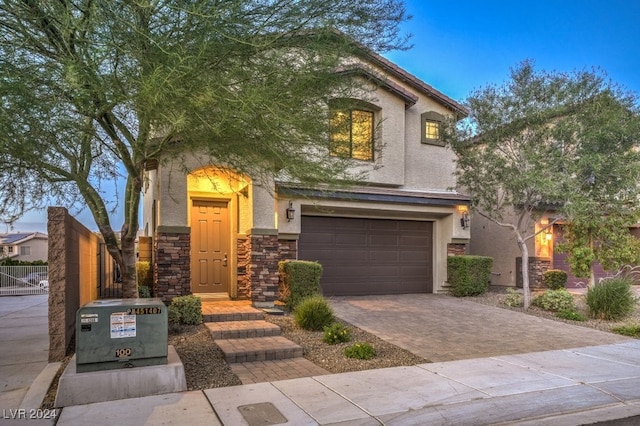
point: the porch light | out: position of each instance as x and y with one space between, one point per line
291 212
548 235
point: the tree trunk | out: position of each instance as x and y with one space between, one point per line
128 268
525 272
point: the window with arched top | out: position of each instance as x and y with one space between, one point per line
431 128
352 131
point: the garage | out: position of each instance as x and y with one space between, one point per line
363 256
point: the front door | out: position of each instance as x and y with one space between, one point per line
210 247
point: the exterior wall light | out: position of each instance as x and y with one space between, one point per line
291 212
464 220
464 216
548 235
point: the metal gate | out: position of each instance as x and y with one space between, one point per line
109 278
24 280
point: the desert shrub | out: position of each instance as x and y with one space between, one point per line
185 310
298 279
336 333
144 292
313 313
469 275
555 301
513 298
571 315
611 299
555 279
360 350
632 330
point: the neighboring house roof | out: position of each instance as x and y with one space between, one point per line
18 238
379 195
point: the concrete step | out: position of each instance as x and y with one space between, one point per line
258 349
242 329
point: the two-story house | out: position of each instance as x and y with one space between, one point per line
25 246
220 233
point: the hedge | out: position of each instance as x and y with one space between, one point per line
469 275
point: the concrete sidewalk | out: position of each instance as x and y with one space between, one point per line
520 370
25 374
563 387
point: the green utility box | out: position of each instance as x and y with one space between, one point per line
121 333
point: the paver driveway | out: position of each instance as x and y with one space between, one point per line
445 328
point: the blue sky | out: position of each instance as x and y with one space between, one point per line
459 46
463 45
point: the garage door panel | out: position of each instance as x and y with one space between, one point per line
383 240
385 256
350 239
384 225
369 256
347 224
412 256
322 238
414 226
414 240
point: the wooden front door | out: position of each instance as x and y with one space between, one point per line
210 254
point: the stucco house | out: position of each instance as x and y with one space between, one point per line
489 239
25 246
217 233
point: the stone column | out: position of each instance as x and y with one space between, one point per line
172 269
262 270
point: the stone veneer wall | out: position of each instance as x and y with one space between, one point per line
262 269
172 267
454 249
244 258
288 249
537 267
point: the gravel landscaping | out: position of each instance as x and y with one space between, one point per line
206 368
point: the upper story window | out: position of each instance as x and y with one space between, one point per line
352 133
431 124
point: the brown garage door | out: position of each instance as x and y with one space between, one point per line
369 256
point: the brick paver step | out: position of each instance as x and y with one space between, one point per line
213 313
258 349
271 371
242 329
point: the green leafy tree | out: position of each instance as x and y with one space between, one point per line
94 90
532 144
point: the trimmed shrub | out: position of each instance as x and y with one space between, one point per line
360 351
611 299
469 275
298 279
555 301
185 310
555 279
13 262
313 313
336 333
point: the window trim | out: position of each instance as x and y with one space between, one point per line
431 117
359 107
